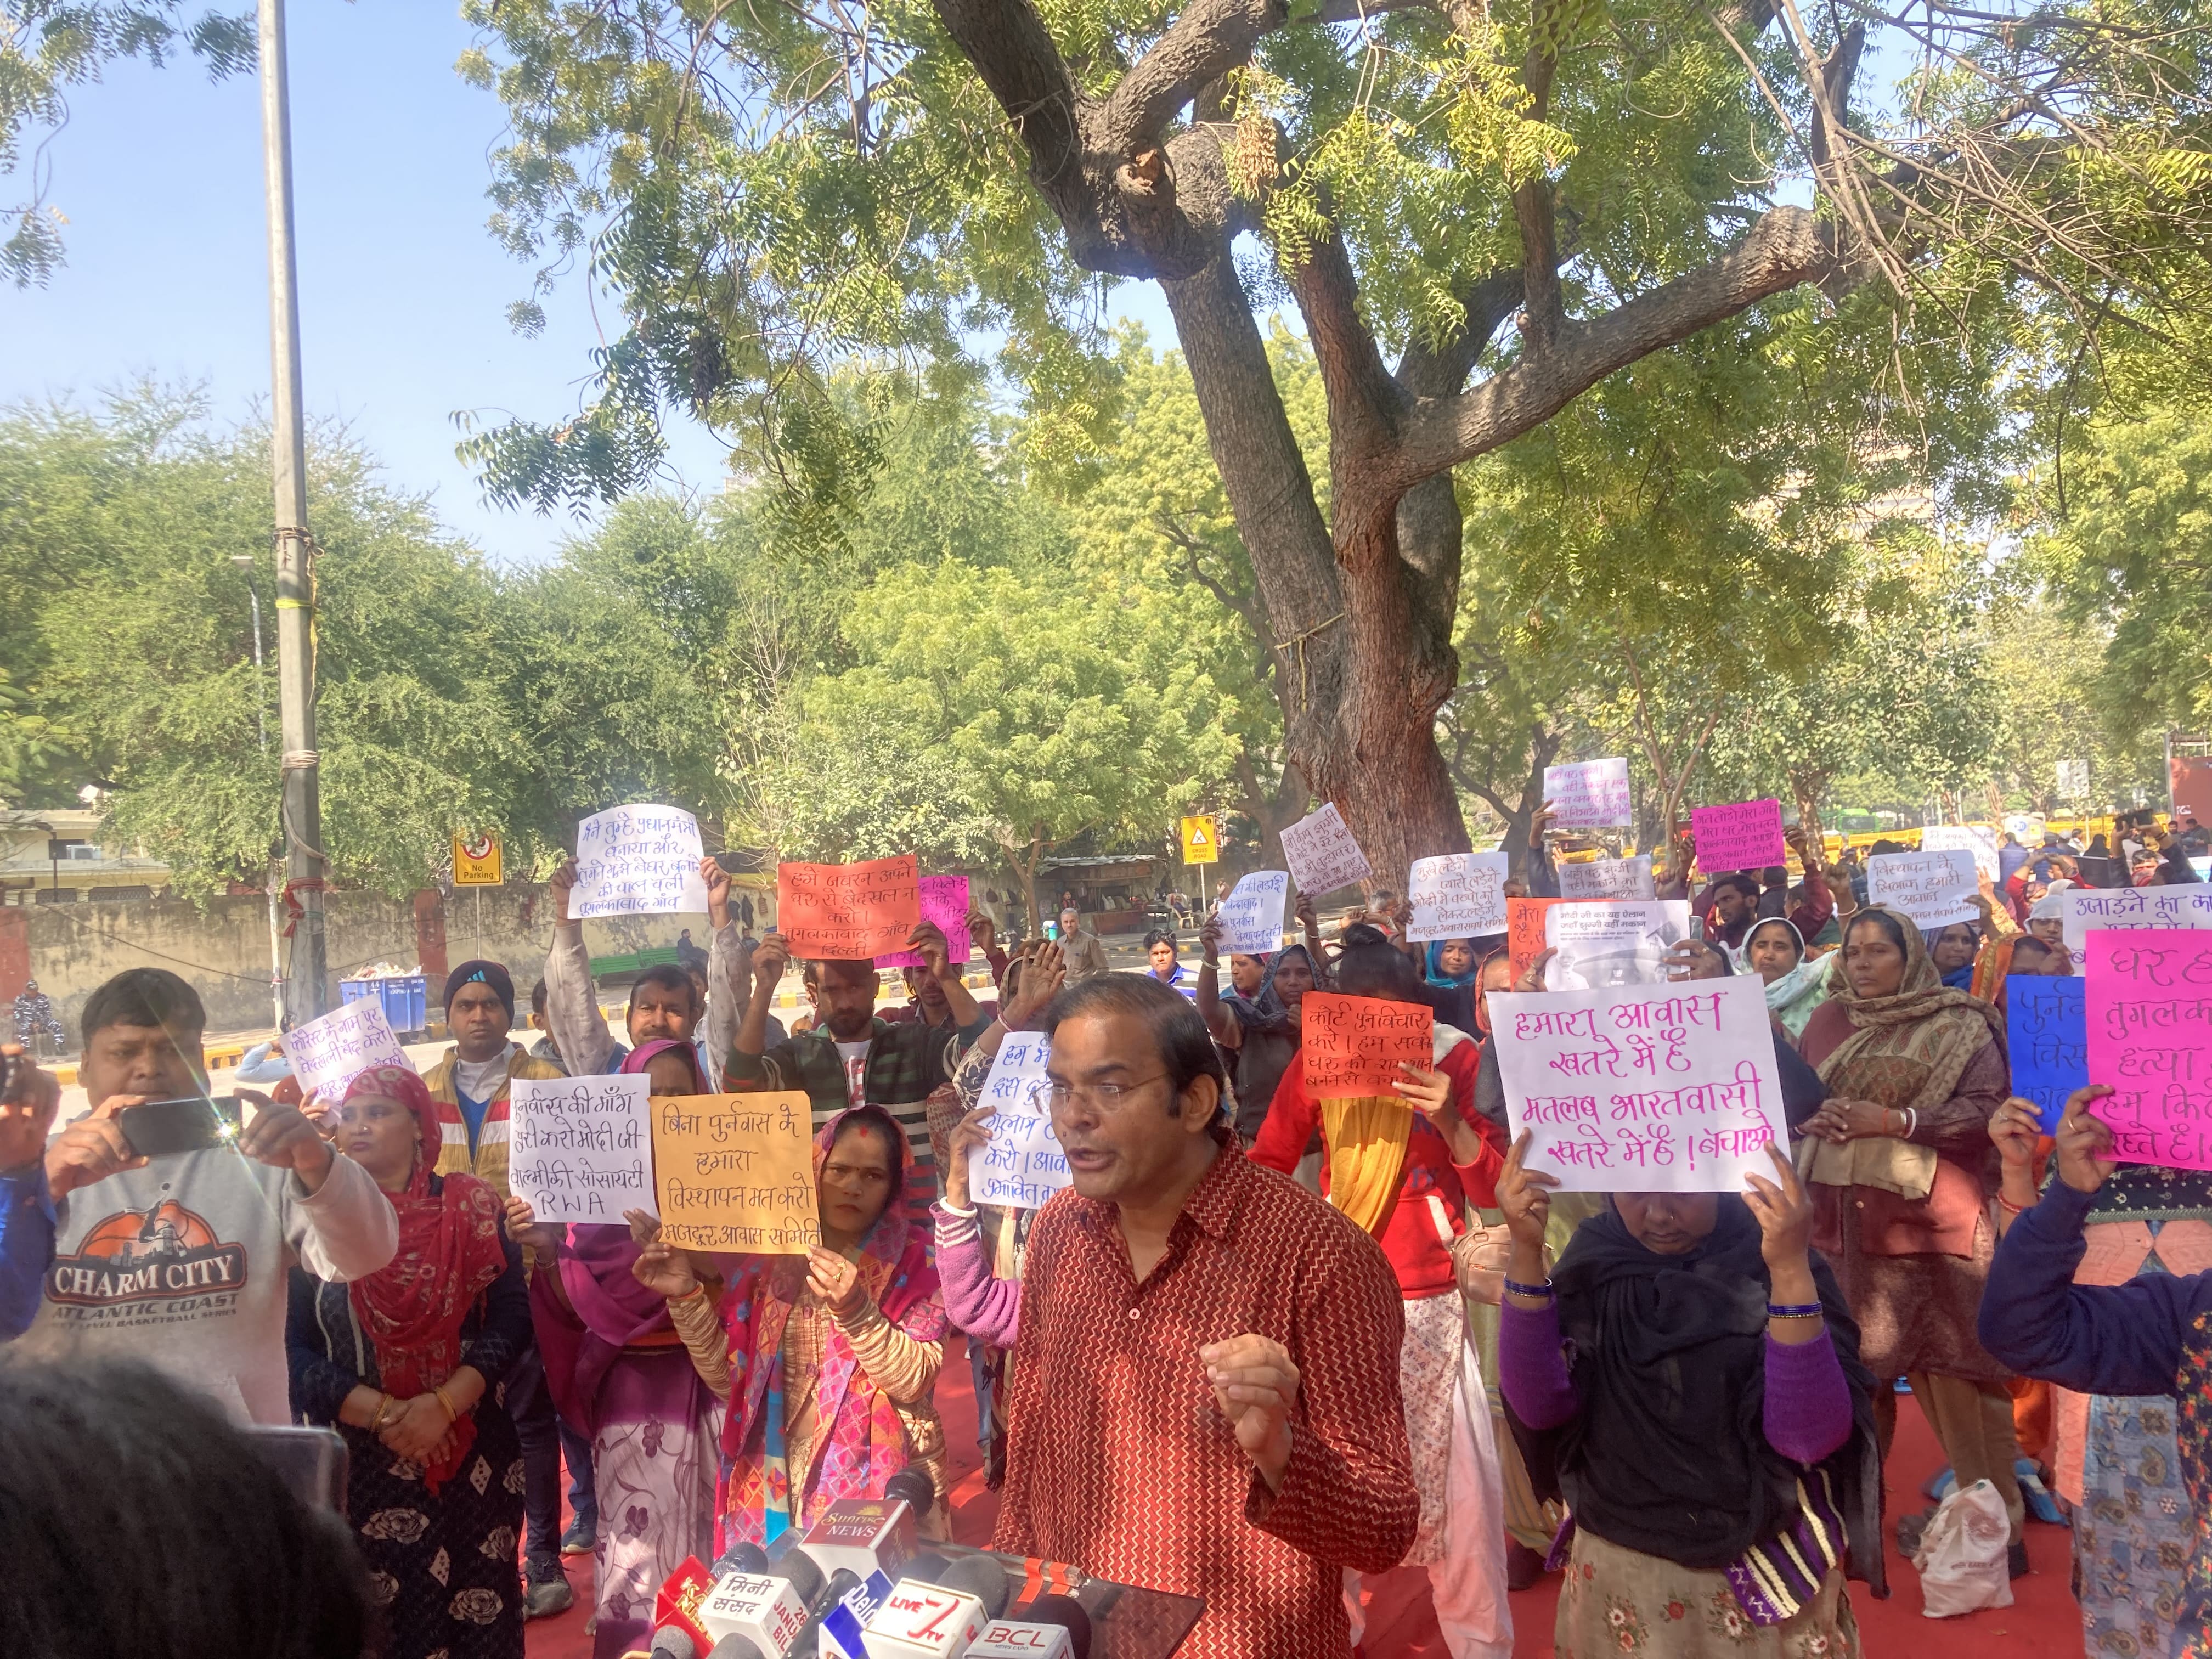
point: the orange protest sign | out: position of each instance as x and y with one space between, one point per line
1524 931
1352 1045
736 1172
847 912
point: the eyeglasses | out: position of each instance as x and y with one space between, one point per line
1102 1097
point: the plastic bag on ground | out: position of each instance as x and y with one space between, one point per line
1962 1554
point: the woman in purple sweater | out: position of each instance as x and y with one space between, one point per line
1687 1383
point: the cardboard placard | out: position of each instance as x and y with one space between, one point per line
2047 1036
1457 895
1322 854
581 1148
1607 878
329 1052
639 860
847 912
736 1172
1745 835
1965 838
1589 794
1351 1047
1653 1088
1023 1166
2128 909
944 901
2149 1021
1251 917
1933 889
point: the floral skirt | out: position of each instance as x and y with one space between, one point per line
1617 1602
2134 1530
654 1461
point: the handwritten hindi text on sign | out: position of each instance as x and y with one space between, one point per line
638 861
332 1051
581 1148
1607 878
2132 908
847 912
1457 895
1747 836
2150 1038
1322 854
2047 1035
1933 889
1251 917
1589 794
1023 1165
736 1172
1966 838
944 901
1657 1088
1351 1045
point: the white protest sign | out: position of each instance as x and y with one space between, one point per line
1458 896
328 1053
1589 794
581 1148
2121 909
1620 942
1607 878
638 861
1651 1088
1251 917
1933 889
1322 854
1964 838
1023 1165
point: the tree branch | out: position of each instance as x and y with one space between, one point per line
1363 401
1210 38
1487 302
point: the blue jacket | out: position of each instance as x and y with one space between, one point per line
27 1246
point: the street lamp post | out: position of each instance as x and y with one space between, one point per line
245 562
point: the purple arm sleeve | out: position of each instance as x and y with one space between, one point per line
987 1309
1532 1371
1808 1405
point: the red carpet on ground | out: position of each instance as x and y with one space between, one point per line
2042 1622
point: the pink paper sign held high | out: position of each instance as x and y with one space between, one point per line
1747 836
944 902
2149 1004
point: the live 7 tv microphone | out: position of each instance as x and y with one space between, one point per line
939 1616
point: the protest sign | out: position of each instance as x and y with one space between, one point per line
1458 896
1747 836
1652 1088
847 912
1612 942
736 1172
1351 1045
1965 838
329 1052
1589 795
944 901
638 861
581 1148
1933 889
1322 854
2126 908
2149 1020
2048 1039
1023 1165
1251 917
1607 878
1524 932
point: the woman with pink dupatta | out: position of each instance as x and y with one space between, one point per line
619 1371
827 1361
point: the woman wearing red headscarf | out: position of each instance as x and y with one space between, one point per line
405 1363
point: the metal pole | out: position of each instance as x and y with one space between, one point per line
307 989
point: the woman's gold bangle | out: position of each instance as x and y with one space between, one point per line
376 1420
451 1416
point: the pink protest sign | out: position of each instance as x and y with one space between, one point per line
944 902
1747 836
2149 1005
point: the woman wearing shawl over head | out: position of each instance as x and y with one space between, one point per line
1901 1170
1257 1022
1688 1379
827 1360
406 1364
1795 986
618 1371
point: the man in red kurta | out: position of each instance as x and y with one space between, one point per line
1205 1381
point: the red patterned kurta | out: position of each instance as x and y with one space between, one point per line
1119 1462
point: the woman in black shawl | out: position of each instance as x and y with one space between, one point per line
1258 1029
1687 1382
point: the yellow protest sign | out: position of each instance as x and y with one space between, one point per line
1201 840
736 1172
475 861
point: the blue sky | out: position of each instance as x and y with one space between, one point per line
403 292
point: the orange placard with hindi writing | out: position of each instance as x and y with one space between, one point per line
1524 931
736 1172
847 912
1352 1045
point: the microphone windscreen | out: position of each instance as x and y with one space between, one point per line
915 1487
804 1573
984 1578
673 1642
1065 1612
734 1646
749 1560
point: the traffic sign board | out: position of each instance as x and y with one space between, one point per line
475 861
1201 840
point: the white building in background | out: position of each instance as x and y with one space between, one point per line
57 855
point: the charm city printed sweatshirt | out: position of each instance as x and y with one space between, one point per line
183 1265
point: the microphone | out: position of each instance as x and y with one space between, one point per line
1051 1627
913 1484
941 1616
766 1610
864 1536
677 1631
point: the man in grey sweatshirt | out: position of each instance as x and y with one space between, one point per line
181 1260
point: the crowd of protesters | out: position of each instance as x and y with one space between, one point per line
1306 1339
